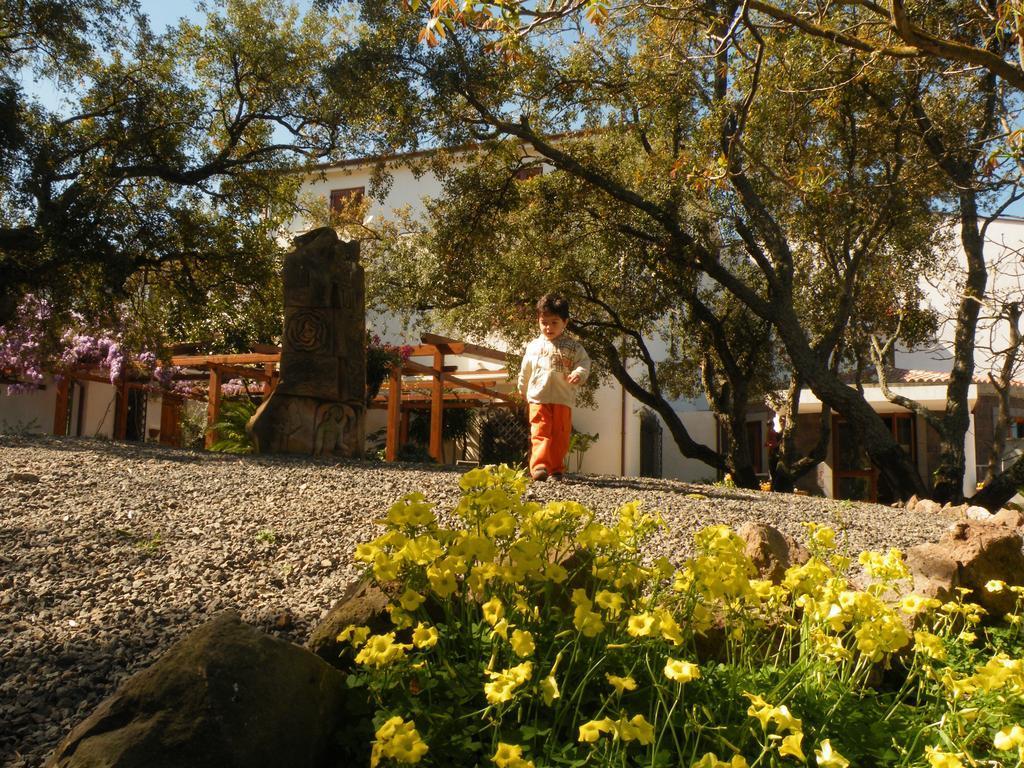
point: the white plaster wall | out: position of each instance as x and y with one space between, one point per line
154 405
702 427
31 412
100 410
1004 246
605 455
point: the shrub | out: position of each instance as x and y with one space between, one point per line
536 635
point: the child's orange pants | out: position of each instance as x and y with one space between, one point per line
550 430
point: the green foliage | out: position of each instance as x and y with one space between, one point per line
230 428
579 444
156 195
532 635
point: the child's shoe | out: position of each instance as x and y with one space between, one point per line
540 474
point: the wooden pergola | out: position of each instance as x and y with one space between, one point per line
437 387
410 386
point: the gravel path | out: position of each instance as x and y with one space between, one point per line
110 552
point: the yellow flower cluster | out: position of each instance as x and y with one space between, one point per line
789 729
1008 738
510 756
504 684
397 740
635 728
381 651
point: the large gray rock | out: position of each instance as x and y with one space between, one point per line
970 555
226 695
771 551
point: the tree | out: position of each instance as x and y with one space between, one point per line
798 226
165 178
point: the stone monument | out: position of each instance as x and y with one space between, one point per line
319 404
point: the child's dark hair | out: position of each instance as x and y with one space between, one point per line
554 304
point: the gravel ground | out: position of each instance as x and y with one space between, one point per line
111 552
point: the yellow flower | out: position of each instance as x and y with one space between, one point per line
612 602
681 671
501 629
421 550
710 760
995 585
641 625
424 636
504 684
587 621
442 580
939 759
636 729
785 720
522 643
670 629
621 684
499 524
790 746
828 757
759 709
493 610
914 604
410 600
591 731
1008 738
510 756
398 740
549 690
381 650
930 645
356 636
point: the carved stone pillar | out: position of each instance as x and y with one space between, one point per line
319 404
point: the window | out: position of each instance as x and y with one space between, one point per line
347 196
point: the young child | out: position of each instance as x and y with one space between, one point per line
553 368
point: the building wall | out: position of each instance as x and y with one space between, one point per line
30 412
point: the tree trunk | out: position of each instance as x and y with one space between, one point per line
886 454
1002 488
949 477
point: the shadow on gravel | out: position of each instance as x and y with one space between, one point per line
150 451
655 484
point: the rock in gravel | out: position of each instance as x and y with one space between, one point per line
365 604
226 695
970 555
771 551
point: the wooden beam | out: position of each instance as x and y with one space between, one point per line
212 406
415 386
242 372
464 347
453 381
200 361
394 414
60 408
437 408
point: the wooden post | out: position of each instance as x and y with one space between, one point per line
121 431
269 384
437 407
60 409
394 413
213 406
